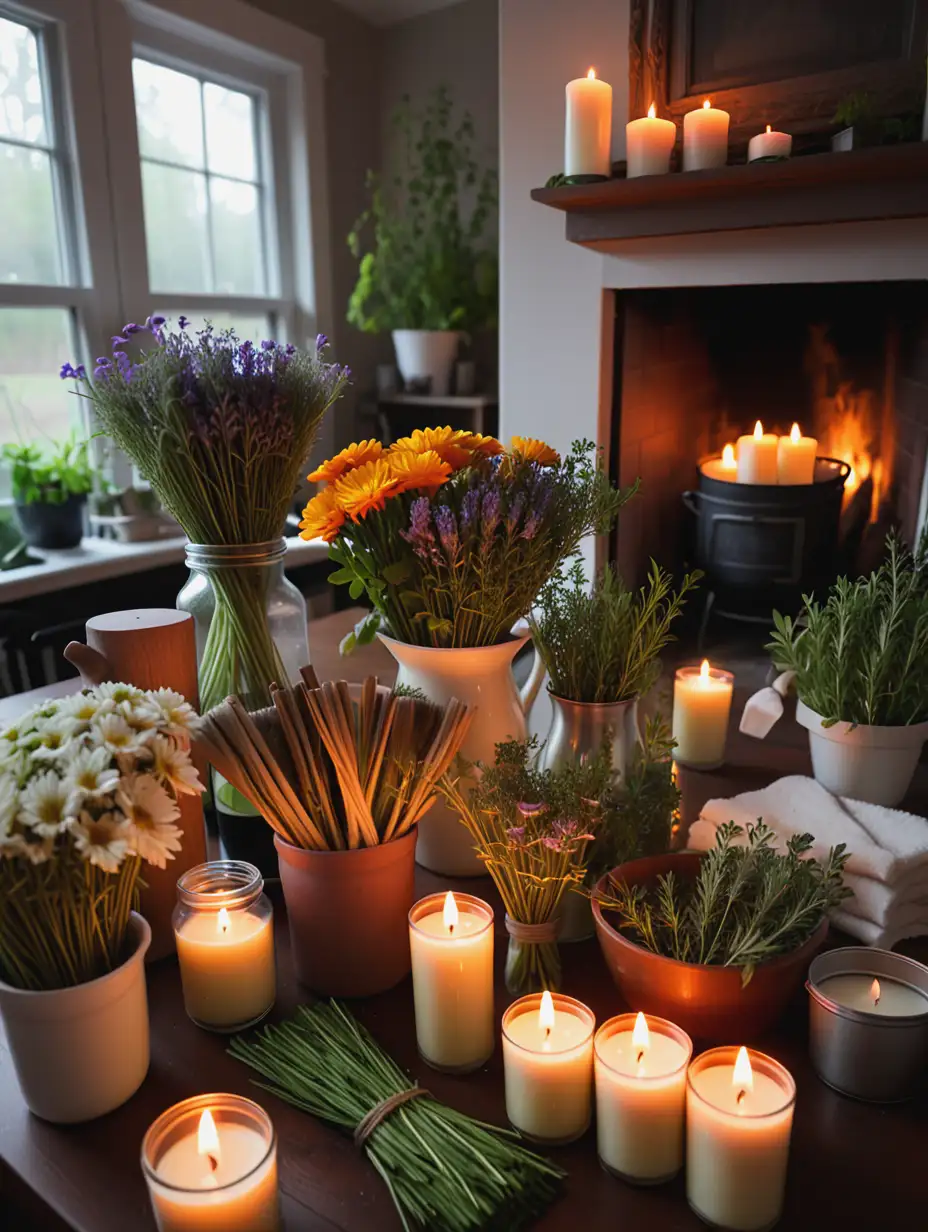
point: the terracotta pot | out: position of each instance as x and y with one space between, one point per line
707 1002
348 910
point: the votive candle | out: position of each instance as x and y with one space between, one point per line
770 145
701 708
705 138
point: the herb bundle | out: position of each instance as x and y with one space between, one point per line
862 656
748 904
602 644
445 1171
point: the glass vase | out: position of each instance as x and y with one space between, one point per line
533 961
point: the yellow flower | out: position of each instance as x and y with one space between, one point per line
527 449
322 517
359 491
452 445
350 458
418 470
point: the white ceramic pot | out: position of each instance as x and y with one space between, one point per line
427 354
82 1051
874 764
482 677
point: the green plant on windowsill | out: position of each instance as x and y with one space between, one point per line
49 474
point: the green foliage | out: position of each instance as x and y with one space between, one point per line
49 474
862 656
602 645
748 904
429 264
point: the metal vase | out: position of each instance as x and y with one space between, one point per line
578 730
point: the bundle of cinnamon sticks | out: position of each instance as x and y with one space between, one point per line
329 773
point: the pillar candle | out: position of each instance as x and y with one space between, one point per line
588 129
640 1073
757 456
648 144
739 1116
796 457
701 706
451 940
770 145
705 138
548 1066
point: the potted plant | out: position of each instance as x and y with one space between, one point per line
430 272
451 537
50 486
718 943
88 795
600 646
344 784
861 665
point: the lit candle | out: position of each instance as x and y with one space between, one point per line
739 1116
211 1166
640 1070
796 457
705 138
548 1065
224 929
884 997
588 129
757 456
451 940
649 144
701 706
724 468
769 145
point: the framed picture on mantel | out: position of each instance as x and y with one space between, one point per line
788 63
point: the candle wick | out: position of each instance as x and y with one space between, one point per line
547 1032
876 1000
640 1055
451 930
740 1100
213 1162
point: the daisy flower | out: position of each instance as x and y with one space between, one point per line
9 805
101 840
112 732
366 488
89 774
350 458
323 517
171 762
150 813
43 804
53 737
116 692
419 470
82 707
179 715
528 449
141 716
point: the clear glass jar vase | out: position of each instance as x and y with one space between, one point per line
533 961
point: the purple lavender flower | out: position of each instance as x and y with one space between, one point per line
515 512
118 340
131 329
182 322
470 511
447 530
155 322
321 341
268 344
490 511
532 522
419 535
516 835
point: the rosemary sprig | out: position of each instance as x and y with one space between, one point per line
445 1171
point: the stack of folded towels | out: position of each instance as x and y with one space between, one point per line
888 865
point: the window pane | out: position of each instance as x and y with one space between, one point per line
34 343
230 132
236 238
21 111
28 228
254 328
170 119
175 228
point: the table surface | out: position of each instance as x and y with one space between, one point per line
853 1166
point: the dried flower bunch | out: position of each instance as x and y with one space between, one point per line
329 774
451 536
88 792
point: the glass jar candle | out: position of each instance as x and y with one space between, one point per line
224 929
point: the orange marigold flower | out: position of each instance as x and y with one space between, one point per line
366 488
530 450
486 446
418 470
350 458
450 444
322 517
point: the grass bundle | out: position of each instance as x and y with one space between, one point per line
445 1171
329 774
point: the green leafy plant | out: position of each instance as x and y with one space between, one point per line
748 904
430 263
602 644
50 474
862 655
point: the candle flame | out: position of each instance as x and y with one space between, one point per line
546 1013
706 105
758 431
743 1075
450 913
641 1036
768 128
794 434
704 670
728 458
208 1139
222 920
591 73
875 993
652 112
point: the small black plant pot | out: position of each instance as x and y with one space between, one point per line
52 526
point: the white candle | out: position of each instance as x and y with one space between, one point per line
648 144
739 1116
548 1065
724 468
705 138
770 145
211 1166
796 457
640 1071
757 456
701 707
883 997
226 967
588 128
451 940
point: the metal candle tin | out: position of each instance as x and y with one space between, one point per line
868 1056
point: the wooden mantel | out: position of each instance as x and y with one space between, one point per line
887 182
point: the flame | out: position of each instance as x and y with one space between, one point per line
450 913
652 112
875 993
706 105
768 128
208 1139
794 434
641 1036
222 920
742 1076
546 1013
728 458
704 671
591 74
758 431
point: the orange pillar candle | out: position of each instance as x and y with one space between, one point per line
796 457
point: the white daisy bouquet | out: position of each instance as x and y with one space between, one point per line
88 793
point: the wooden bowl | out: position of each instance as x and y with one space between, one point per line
707 1002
